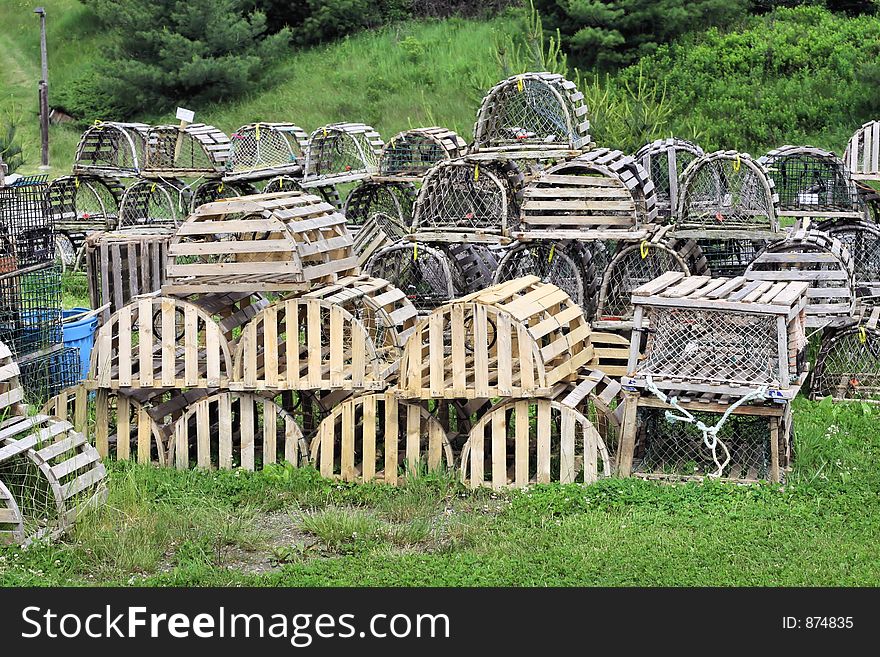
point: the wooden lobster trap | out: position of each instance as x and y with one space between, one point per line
196 150
514 339
862 239
377 232
263 243
862 156
339 337
262 150
730 257
329 193
341 152
465 200
532 116
154 203
665 160
599 195
561 438
393 198
80 205
409 154
160 342
124 265
111 149
423 273
727 195
812 182
217 190
379 437
848 363
816 258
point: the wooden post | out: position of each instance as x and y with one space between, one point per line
186 117
628 430
44 92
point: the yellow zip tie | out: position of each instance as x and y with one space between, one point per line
552 251
325 133
220 189
415 251
736 163
863 335
257 132
644 249
476 172
520 85
153 188
76 182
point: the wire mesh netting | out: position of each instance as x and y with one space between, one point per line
264 147
848 365
340 152
862 240
730 257
412 153
30 309
198 148
149 202
464 196
31 491
719 347
394 199
421 272
665 160
86 199
44 377
677 448
328 193
809 179
632 267
26 227
730 192
527 110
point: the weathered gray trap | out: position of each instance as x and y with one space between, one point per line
848 364
157 203
112 149
342 152
263 150
862 156
665 160
409 154
197 150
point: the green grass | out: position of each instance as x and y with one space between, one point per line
290 527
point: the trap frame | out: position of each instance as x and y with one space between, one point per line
862 156
848 363
665 160
217 190
111 149
262 150
27 232
196 150
862 239
409 154
422 272
341 152
392 198
154 203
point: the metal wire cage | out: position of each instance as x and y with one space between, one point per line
632 266
675 450
727 195
342 152
196 150
848 364
862 156
30 308
811 182
26 226
593 196
730 257
532 111
44 377
665 160
154 203
214 190
263 150
820 259
112 149
410 153
394 199
467 200
862 240
422 272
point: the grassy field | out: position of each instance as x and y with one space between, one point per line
289 527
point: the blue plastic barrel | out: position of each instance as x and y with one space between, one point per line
80 334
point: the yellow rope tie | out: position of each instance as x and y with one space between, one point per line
76 182
644 249
520 85
325 133
736 163
863 335
415 251
552 251
153 188
220 189
257 132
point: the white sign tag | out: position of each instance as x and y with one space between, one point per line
185 115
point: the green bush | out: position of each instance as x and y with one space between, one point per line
10 149
787 77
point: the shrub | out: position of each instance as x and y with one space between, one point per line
10 149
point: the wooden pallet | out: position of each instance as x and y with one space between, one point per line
348 337
862 156
263 243
718 335
236 429
507 448
515 113
377 437
340 153
601 194
818 259
178 346
514 339
196 150
111 149
259 151
124 265
409 154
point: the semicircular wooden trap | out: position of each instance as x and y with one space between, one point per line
665 160
216 190
111 149
423 273
341 152
196 150
154 204
378 437
394 199
409 154
848 364
263 150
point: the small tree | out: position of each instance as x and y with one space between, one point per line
165 52
10 149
